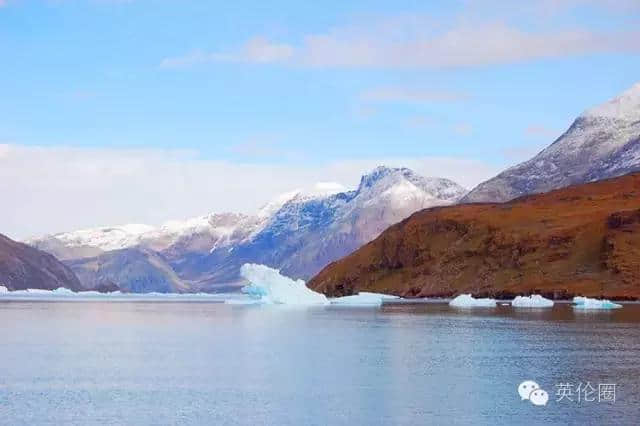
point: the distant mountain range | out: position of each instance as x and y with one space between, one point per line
579 240
298 233
603 142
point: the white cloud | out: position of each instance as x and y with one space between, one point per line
421 43
411 95
256 50
53 189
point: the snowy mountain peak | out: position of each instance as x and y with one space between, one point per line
389 180
276 203
381 172
625 106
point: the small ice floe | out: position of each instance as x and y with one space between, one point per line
268 286
363 299
580 302
468 301
533 301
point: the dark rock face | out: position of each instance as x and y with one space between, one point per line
579 240
23 267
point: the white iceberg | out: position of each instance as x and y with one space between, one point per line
533 301
363 299
268 286
468 301
580 302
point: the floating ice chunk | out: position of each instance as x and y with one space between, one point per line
580 302
533 301
363 299
268 286
468 301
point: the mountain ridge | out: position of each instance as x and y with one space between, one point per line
602 142
297 232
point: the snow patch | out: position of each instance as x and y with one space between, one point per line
533 301
468 301
626 106
580 302
106 238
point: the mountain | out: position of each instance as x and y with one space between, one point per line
579 240
297 232
309 231
22 267
130 270
601 143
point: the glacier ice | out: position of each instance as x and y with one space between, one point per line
363 299
64 293
580 302
468 301
268 286
533 301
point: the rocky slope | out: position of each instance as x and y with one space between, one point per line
603 142
582 239
297 232
22 267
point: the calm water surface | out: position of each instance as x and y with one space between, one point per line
210 363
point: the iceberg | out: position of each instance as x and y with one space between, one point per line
533 301
268 286
468 301
363 299
580 302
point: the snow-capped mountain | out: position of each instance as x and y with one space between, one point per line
202 233
601 143
310 231
298 232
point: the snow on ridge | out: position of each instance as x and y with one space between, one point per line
625 106
398 188
106 238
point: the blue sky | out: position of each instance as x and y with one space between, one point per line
285 93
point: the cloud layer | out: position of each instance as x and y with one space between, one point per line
54 189
419 43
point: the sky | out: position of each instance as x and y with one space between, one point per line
141 111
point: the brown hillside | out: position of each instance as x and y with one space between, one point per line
580 240
22 267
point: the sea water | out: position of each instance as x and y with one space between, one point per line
201 362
